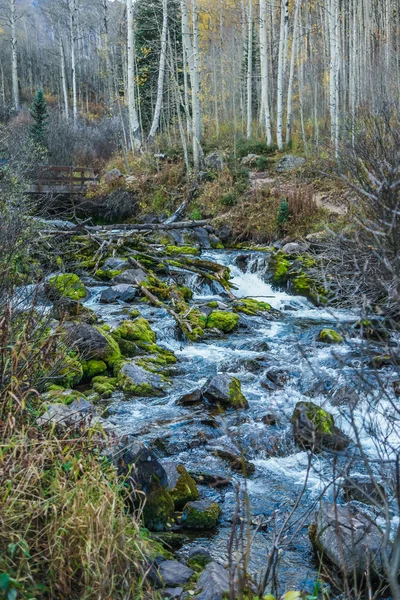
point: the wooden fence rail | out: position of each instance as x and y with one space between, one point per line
63 180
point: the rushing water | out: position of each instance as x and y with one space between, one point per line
191 434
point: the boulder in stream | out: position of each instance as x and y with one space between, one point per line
181 486
225 390
314 428
123 292
350 540
140 382
363 489
213 583
131 276
202 514
92 342
330 336
191 398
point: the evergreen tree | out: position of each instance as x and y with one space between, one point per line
39 113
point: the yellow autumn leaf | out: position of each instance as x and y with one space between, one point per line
292 595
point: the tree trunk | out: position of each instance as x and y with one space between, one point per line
250 70
72 28
291 75
265 110
134 125
281 70
14 58
64 86
161 74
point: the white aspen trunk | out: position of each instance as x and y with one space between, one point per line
196 110
291 75
14 58
63 75
265 110
161 74
281 71
186 88
72 18
3 86
250 70
334 72
134 125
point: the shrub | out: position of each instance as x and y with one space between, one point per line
246 147
283 214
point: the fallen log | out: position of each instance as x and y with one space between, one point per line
150 227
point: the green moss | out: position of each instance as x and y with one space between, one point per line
134 313
223 320
212 304
251 307
70 374
185 489
173 250
137 389
158 508
104 386
185 292
217 245
330 336
195 516
323 421
108 274
157 287
68 285
138 330
93 367
62 396
281 266
236 398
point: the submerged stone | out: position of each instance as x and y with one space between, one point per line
330 336
181 486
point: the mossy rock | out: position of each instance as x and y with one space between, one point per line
62 396
93 367
306 286
188 250
158 508
134 331
135 379
70 374
225 390
314 427
181 486
185 292
330 336
67 285
112 354
223 320
105 386
280 265
158 288
202 514
107 275
251 307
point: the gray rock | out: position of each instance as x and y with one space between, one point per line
202 237
201 514
214 161
289 163
87 340
136 379
294 248
114 263
131 276
191 398
364 490
315 428
173 592
351 541
113 176
250 160
75 416
213 583
224 233
219 389
175 573
124 292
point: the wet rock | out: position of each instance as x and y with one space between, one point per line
385 360
351 541
139 382
242 261
124 292
214 161
314 428
225 390
294 248
330 336
213 583
131 276
289 163
203 514
114 263
92 342
278 377
260 347
175 573
252 365
364 490
372 329
396 387
236 462
214 481
112 177
345 396
191 398
202 237
146 474
75 416
270 419
199 556
181 486
173 592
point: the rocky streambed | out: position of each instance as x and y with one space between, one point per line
208 375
